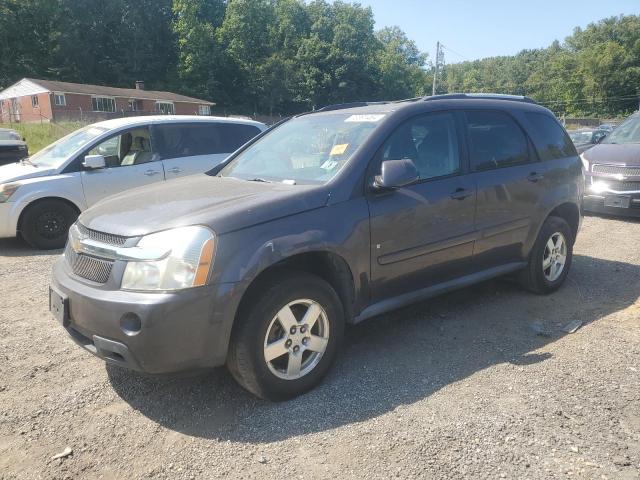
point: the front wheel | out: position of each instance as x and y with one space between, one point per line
550 258
287 338
45 224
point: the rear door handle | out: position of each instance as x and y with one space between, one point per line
151 173
175 170
461 194
534 177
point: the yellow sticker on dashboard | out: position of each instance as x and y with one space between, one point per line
339 149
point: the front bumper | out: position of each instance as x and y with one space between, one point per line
9 214
179 331
601 189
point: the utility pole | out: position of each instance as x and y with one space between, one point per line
439 62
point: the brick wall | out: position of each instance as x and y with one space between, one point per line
26 111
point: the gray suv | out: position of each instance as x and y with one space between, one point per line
327 219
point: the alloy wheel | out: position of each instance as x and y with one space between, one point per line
555 257
296 339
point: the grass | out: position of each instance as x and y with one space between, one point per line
39 135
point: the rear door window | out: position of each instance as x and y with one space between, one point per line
188 140
495 140
549 137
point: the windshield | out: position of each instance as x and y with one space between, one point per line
627 132
57 153
310 149
9 135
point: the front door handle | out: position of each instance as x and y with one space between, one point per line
175 170
461 193
535 176
151 173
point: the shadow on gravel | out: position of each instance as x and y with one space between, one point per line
605 216
16 247
393 360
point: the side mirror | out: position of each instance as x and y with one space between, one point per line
93 162
396 174
599 138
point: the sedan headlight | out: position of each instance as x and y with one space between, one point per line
585 163
8 189
186 264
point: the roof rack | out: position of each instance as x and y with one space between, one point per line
482 96
342 106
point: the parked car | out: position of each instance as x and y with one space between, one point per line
586 138
329 218
12 146
612 171
42 196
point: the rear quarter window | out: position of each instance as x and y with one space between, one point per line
550 139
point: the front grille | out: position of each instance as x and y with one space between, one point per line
102 237
94 269
624 186
616 170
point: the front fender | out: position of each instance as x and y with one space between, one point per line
65 187
341 229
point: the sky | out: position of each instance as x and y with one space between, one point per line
486 28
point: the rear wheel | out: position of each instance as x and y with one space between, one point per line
286 340
46 223
550 257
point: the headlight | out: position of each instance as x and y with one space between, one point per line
8 189
585 163
187 264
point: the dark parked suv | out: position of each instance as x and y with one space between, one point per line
327 219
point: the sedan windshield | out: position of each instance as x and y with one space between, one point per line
627 132
57 153
310 149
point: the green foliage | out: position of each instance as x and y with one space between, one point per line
596 71
286 56
39 135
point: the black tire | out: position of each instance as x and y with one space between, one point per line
45 224
246 359
533 277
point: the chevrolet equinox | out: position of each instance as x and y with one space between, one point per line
329 218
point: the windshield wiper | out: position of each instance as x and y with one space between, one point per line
258 179
28 161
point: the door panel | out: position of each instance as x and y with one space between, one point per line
422 234
509 186
507 208
131 162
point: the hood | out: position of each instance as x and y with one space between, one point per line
20 171
614 154
223 204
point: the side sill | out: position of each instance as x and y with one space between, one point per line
394 303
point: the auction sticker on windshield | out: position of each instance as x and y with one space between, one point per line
365 118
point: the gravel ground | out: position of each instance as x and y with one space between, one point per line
480 383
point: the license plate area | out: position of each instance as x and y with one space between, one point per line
617 201
59 307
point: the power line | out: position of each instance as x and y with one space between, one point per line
455 53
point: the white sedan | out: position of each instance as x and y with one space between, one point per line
41 196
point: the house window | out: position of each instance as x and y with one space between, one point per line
59 100
103 104
204 110
133 105
165 108
34 101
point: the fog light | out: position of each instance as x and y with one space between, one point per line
130 324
